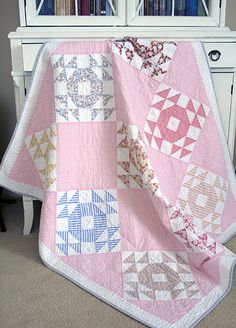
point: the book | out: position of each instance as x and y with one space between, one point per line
150 8
156 5
179 7
63 7
85 10
92 8
191 7
108 8
168 7
70 7
146 7
47 7
162 10
103 8
98 7
78 11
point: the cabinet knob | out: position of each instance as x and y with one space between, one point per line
214 55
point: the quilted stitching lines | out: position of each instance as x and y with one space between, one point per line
174 123
42 148
84 88
202 197
87 222
157 275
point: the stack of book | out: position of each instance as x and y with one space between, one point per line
76 7
181 8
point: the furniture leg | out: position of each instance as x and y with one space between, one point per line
28 206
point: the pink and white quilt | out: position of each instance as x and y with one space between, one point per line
123 143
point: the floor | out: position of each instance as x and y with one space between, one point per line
32 296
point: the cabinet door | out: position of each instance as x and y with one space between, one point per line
74 12
174 12
222 85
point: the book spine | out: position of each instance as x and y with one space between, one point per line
151 7
79 7
57 7
191 7
146 5
179 7
108 8
70 7
92 8
85 8
103 7
97 10
63 7
168 7
156 7
162 7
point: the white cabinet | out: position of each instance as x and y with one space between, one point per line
194 13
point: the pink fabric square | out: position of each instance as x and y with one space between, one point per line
169 171
103 269
213 152
86 155
24 170
47 231
81 48
134 92
140 222
44 112
183 73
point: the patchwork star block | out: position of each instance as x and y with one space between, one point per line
202 197
174 123
84 89
42 149
158 275
87 222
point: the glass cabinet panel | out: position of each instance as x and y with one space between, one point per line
75 12
174 12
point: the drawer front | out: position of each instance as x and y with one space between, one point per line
220 54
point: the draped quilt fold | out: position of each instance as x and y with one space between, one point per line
123 143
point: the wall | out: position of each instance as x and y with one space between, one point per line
9 20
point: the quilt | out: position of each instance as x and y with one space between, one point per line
122 142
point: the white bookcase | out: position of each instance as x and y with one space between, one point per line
125 19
